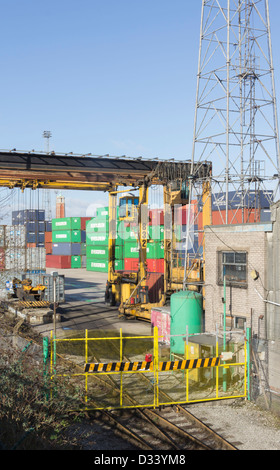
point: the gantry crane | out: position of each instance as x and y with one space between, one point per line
104 173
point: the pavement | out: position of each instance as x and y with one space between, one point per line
84 307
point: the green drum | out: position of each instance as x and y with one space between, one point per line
186 309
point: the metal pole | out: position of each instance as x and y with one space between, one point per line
224 344
248 361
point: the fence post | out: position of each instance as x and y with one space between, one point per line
86 361
46 361
248 346
156 367
121 354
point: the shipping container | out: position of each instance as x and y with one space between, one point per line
76 262
98 252
96 239
156 217
155 284
48 237
97 225
2 259
155 265
2 235
131 264
47 280
36 258
119 265
66 236
98 266
131 250
75 223
48 226
155 250
58 262
156 232
48 247
15 236
61 224
84 221
15 259
66 249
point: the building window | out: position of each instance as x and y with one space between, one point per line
233 265
239 323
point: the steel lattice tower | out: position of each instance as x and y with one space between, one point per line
236 124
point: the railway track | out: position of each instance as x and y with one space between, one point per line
168 428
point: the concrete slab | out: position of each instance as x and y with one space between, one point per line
84 307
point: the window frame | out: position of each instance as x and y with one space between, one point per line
232 283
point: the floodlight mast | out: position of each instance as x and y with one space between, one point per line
47 135
236 122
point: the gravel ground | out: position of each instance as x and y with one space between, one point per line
242 423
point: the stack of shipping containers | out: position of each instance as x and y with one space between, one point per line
97 238
68 243
29 227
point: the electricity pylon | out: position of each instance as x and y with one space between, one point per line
236 123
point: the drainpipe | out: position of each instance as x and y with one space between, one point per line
267 301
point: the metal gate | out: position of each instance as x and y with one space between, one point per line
118 372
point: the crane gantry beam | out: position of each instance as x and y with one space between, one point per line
37 170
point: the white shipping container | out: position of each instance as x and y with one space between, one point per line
35 258
2 235
15 236
15 259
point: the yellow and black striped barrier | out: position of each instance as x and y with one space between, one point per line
143 366
33 303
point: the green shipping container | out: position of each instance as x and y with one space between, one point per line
66 236
104 212
96 239
97 225
98 252
119 265
131 250
61 224
156 232
155 250
66 223
99 266
75 223
76 262
128 234
83 249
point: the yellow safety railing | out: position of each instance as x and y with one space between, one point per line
117 383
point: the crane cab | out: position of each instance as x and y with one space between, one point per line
128 207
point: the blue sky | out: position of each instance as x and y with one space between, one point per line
111 76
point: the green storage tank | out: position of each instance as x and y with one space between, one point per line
186 309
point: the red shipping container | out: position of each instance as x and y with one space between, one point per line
31 245
155 283
48 247
84 221
62 262
131 264
48 237
156 217
155 265
2 259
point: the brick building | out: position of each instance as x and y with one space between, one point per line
248 255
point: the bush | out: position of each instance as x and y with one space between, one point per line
29 418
